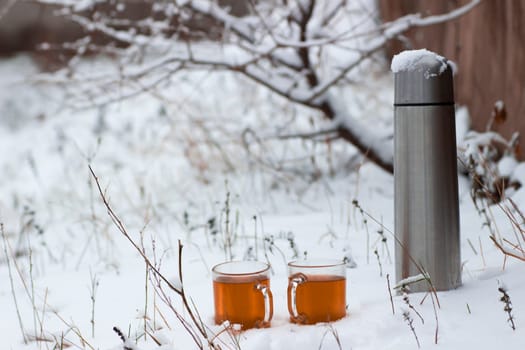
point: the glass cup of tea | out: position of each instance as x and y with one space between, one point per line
241 292
316 291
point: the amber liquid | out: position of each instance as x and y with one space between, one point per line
237 300
322 298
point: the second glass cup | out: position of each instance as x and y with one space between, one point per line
316 291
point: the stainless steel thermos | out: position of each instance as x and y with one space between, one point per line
425 176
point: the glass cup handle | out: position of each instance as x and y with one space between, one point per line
268 304
296 280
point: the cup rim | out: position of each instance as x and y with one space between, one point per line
316 263
261 268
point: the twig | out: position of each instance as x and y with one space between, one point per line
93 292
32 284
116 220
379 262
390 293
43 316
434 302
146 279
255 239
29 290
410 322
201 330
505 299
472 246
365 223
405 290
75 330
20 323
506 251
481 252
227 231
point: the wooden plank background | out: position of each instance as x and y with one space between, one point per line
487 44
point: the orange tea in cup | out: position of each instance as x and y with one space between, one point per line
241 291
316 291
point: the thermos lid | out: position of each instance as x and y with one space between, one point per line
422 78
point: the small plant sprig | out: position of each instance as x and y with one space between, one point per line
124 339
255 237
248 254
482 212
229 233
512 211
270 244
227 238
93 293
355 203
11 280
293 246
410 322
211 227
379 262
383 240
348 258
505 299
390 293
186 218
405 289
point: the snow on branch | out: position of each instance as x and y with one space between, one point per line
391 30
287 46
430 20
300 50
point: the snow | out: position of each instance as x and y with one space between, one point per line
474 141
518 173
499 105
165 175
421 60
506 166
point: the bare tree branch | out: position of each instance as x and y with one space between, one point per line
287 48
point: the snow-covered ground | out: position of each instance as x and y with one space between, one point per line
68 276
